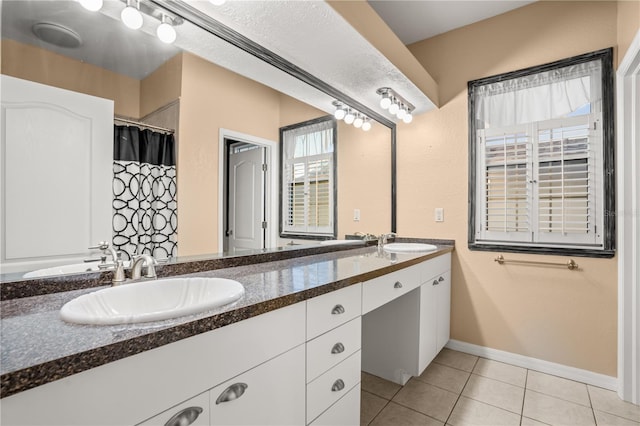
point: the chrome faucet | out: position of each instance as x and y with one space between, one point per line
382 239
136 268
365 237
118 272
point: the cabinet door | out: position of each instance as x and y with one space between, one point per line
271 394
428 337
443 309
194 412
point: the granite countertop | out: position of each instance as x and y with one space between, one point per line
37 347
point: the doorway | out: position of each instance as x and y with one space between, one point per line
248 167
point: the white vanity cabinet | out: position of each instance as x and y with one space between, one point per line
300 364
333 357
139 387
402 336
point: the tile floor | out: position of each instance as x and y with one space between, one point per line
462 389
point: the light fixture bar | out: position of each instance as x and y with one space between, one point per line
389 93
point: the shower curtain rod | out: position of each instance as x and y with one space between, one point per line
149 126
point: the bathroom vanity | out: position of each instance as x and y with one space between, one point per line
291 351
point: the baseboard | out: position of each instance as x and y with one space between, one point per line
564 371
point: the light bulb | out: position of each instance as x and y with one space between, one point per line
366 126
166 33
393 108
357 123
408 118
385 101
92 5
401 113
350 117
131 17
217 2
339 113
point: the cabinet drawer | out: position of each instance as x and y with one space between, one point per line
333 309
432 267
194 412
329 349
332 385
345 412
378 291
270 394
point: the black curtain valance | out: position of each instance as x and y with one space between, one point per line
144 146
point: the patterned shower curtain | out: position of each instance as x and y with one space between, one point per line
144 193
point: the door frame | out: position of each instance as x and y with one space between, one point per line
271 186
628 165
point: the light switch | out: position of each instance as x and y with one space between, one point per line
439 214
356 215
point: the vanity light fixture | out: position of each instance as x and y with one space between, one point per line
165 31
92 5
358 122
340 111
131 15
396 104
351 116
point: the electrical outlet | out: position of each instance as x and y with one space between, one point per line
356 215
439 214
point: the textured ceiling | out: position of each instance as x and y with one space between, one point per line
310 34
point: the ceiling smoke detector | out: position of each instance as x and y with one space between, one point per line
56 34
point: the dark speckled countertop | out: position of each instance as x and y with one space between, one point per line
37 347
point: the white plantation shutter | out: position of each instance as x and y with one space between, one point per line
567 189
539 166
308 173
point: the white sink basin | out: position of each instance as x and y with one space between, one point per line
409 247
63 269
151 300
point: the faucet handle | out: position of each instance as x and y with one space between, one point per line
102 245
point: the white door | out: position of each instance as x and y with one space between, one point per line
246 199
56 157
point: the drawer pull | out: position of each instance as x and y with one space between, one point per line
440 279
435 282
234 391
338 385
338 348
337 310
398 284
184 417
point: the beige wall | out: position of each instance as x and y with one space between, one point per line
562 316
42 66
628 24
213 98
161 87
364 179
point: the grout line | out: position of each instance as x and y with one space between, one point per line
460 394
524 395
593 413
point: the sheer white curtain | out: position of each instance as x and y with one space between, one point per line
539 97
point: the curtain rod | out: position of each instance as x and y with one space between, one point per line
149 126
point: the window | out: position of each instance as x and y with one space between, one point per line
308 196
541 159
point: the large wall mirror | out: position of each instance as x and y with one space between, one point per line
194 89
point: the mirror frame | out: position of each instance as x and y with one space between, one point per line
218 29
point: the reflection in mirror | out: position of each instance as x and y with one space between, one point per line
187 88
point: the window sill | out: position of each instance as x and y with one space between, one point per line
607 253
